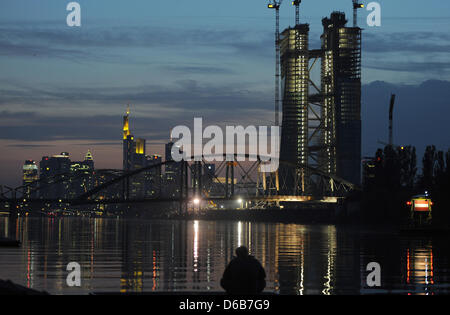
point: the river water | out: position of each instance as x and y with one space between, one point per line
129 255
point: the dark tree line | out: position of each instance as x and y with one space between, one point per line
395 179
436 180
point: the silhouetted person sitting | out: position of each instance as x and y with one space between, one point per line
244 274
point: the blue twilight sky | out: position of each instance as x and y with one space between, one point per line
65 89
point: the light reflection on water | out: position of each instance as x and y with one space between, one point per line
140 256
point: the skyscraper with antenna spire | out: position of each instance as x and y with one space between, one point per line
128 142
133 150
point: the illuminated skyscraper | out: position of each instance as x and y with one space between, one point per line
139 159
89 159
128 143
30 176
295 89
133 158
172 171
341 89
81 176
133 150
153 176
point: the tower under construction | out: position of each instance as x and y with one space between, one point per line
341 89
295 91
321 130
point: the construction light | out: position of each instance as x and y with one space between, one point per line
196 201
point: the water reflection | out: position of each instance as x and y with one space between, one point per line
420 267
141 256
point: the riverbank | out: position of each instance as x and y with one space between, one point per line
10 288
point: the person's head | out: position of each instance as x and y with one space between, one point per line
242 252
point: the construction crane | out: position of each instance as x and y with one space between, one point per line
297 11
391 114
356 6
275 4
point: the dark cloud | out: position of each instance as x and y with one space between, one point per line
415 52
8 48
183 95
90 42
413 42
158 109
438 68
196 69
29 146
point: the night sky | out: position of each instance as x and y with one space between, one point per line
66 89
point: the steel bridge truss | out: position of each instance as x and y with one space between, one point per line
243 186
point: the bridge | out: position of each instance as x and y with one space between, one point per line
244 185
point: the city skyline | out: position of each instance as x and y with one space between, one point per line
56 88
200 150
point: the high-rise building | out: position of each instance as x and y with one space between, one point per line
133 150
369 165
295 92
30 176
128 143
54 176
341 89
89 159
133 158
81 176
172 171
153 176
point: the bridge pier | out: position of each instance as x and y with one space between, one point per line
184 193
229 174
